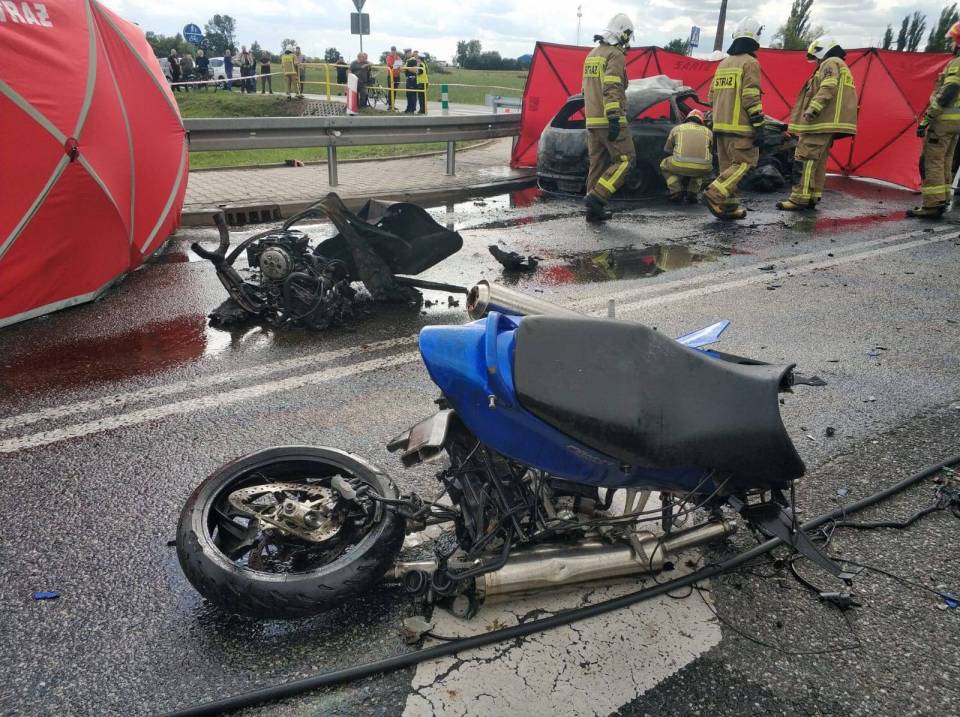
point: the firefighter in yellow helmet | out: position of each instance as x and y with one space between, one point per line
825 110
940 128
609 142
737 119
690 157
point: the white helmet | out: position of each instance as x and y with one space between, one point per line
748 28
619 30
288 48
821 46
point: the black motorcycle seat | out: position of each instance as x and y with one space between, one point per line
633 394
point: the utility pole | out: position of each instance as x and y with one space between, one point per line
718 40
579 15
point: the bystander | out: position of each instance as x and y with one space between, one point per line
247 70
228 70
175 70
266 81
361 68
186 69
203 68
394 64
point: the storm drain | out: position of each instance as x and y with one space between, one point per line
255 214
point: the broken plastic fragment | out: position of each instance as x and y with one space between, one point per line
842 492
414 628
950 600
46 595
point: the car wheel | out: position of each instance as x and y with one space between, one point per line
644 180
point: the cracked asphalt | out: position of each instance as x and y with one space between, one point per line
111 413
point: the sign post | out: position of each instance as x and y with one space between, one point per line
359 21
694 40
193 34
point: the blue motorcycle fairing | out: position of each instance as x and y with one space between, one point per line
705 336
473 365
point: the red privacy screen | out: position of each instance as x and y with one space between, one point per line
893 88
94 164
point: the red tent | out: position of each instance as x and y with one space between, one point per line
94 164
893 88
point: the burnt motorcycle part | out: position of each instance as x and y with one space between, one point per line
424 442
512 261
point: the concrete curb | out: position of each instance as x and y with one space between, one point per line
250 213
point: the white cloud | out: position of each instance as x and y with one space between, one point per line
509 26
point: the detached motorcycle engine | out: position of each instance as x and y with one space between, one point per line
293 285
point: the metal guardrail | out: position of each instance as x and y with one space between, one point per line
332 132
499 102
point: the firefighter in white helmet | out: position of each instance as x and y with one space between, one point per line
689 151
940 128
737 119
609 142
825 110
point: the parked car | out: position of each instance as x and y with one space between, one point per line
654 106
217 71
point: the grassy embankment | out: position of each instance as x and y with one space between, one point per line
234 104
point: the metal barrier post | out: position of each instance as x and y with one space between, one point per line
332 165
444 101
451 158
326 78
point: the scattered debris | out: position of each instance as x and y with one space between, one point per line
46 595
870 399
768 267
512 261
451 302
842 492
771 287
414 628
293 162
830 432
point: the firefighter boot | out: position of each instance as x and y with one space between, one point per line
935 212
596 210
788 205
722 212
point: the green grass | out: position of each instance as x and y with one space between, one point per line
259 157
483 82
233 104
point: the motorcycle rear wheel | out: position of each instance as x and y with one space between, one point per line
281 575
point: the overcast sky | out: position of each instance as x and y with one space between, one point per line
509 26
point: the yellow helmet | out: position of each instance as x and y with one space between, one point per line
953 34
820 47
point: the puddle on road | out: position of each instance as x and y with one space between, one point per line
146 350
617 263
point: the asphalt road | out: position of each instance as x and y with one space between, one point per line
111 413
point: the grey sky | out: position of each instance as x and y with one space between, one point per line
509 26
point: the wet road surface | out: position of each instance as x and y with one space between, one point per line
111 413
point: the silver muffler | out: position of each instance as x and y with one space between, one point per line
485 297
551 566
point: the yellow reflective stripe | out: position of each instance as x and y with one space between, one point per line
751 92
815 105
952 80
624 163
823 127
606 185
723 185
938 189
807 177
830 82
608 79
692 164
755 109
615 105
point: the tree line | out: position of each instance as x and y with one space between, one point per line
470 56
798 31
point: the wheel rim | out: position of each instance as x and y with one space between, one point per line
262 544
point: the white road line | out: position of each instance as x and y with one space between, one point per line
191 405
785 264
628 300
120 400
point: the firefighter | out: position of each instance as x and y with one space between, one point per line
609 142
825 110
690 157
737 119
940 127
288 63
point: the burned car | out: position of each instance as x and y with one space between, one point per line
655 105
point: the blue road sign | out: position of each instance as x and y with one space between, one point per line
192 34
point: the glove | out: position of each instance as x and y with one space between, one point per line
809 116
922 128
614 130
757 133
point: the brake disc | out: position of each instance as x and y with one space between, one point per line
311 517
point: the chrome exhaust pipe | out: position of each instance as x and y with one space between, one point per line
550 567
485 297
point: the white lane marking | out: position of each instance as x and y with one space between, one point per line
792 264
191 405
591 667
120 400
629 300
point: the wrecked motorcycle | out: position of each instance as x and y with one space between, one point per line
551 431
292 283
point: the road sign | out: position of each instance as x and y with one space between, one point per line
359 4
694 40
359 23
192 34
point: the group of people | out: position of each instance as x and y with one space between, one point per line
825 110
408 67
185 69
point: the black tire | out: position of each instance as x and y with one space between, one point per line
242 590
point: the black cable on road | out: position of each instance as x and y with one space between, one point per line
289 689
